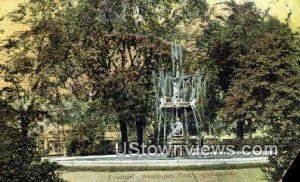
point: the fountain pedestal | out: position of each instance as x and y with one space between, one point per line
178 145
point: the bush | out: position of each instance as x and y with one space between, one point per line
86 147
19 161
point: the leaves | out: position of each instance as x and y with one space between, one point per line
255 55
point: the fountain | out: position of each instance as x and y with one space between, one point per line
180 102
178 97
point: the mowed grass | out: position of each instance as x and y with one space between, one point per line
237 175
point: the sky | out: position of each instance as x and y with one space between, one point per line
279 8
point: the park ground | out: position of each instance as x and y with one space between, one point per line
197 175
238 175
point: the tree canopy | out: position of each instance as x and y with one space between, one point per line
88 63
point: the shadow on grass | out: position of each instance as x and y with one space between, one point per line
162 168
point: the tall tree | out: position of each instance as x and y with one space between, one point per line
128 54
102 42
258 69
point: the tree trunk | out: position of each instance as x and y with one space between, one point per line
24 124
26 154
240 129
124 136
139 133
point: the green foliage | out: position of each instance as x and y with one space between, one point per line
258 70
24 102
18 158
87 134
90 65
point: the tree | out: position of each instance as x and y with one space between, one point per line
102 42
258 69
118 51
25 99
19 160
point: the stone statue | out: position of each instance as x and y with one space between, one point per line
177 127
